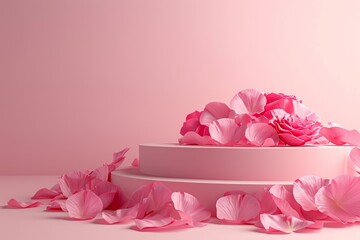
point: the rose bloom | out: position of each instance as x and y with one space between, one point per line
192 124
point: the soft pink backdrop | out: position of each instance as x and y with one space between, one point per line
82 79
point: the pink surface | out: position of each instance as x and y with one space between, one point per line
82 79
35 223
242 163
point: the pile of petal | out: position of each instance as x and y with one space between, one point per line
254 118
88 194
310 203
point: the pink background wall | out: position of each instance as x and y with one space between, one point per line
82 79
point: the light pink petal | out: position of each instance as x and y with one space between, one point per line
285 201
283 223
106 191
193 138
214 111
354 158
291 140
101 173
237 208
58 205
266 201
262 134
190 207
249 101
120 215
13 203
73 182
135 162
304 112
45 193
118 159
84 205
340 199
305 189
155 222
226 131
341 136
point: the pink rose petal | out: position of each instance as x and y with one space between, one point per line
45 193
283 223
266 201
121 215
101 173
291 140
340 199
226 131
214 111
155 222
341 136
13 203
305 189
285 201
84 205
135 163
58 205
262 134
193 138
190 208
354 159
249 101
73 182
106 192
118 159
237 208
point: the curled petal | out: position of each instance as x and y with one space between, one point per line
84 205
266 202
193 138
305 189
226 131
155 222
354 159
120 215
13 203
237 208
45 193
340 199
285 201
249 101
262 134
118 159
283 223
214 111
341 136
73 182
59 205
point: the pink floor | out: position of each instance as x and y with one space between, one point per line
36 224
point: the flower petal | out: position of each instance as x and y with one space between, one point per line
354 158
121 215
106 192
226 131
285 201
305 189
266 201
13 203
283 223
237 208
84 205
118 159
45 193
249 101
262 134
135 162
190 207
340 199
341 136
291 140
193 138
59 205
214 111
155 222
73 182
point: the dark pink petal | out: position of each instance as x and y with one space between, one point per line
73 182
106 191
193 138
13 203
190 208
262 134
237 208
226 131
214 111
341 136
291 140
305 189
135 163
121 215
45 193
354 159
283 223
58 205
119 200
189 126
84 205
340 199
249 101
285 201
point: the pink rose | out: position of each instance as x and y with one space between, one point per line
192 124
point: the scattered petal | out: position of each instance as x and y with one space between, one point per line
121 215
58 205
285 201
193 138
354 158
249 101
237 208
135 163
155 222
45 193
13 203
84 205
118 159
262 134
283 223
340 199
73 182
341 136
266 201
